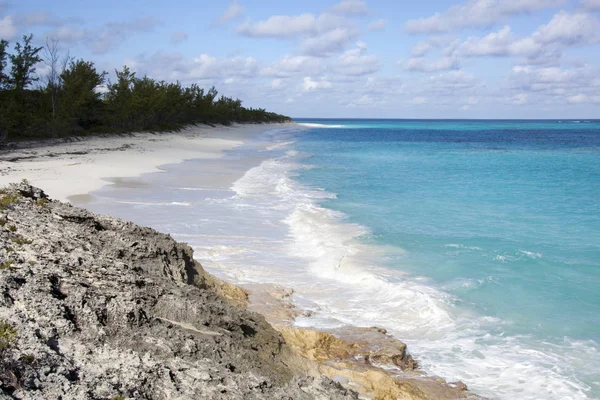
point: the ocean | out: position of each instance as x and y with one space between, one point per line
475 242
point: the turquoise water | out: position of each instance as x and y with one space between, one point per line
475 242
504 216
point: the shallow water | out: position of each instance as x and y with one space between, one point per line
476 242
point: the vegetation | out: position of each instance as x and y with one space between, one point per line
74 98
7 199
8 334
6 264
21 241
43 202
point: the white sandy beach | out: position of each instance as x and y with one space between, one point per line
79 167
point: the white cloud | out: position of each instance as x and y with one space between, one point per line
68 35
590 4
366 101
421 49
319 36
519 99
355 62
558 85
545 45
476 13
280 26
178 37
277 83
234 10
329 42
569 29
350 8
35 18
418 100
173 66
310 84
449 83
578 99
8 30
378 25
420 64
424 47
113 33
500 43
290 65
472 101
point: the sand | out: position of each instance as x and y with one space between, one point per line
69 170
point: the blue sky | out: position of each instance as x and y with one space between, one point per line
348 58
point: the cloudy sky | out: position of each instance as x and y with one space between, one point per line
354 58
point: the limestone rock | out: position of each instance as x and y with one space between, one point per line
105 308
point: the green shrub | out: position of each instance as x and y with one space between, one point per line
8 334
6 264
8 199
41 202
12 228
29 359
21 241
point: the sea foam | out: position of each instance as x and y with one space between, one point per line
339 277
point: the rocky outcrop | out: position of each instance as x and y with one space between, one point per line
100 308
94 307
367 360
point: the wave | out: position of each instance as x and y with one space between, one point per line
200 189
323 126
343 280
277 146
149 203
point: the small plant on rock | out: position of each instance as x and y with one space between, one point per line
12 228
6 264
21 241
8 334
7 199
42 202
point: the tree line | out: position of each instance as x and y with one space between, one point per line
74 98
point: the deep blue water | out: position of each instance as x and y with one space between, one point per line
502 215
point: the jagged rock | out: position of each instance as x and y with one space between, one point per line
105 308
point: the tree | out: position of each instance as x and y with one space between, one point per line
23 64
3 85
3 56
119 97
71 100
80 100
52 58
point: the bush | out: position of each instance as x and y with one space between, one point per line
5 265
8 199
21 241
8 334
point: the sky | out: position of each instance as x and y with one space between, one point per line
346 59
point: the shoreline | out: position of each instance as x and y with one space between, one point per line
57 165
364 359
